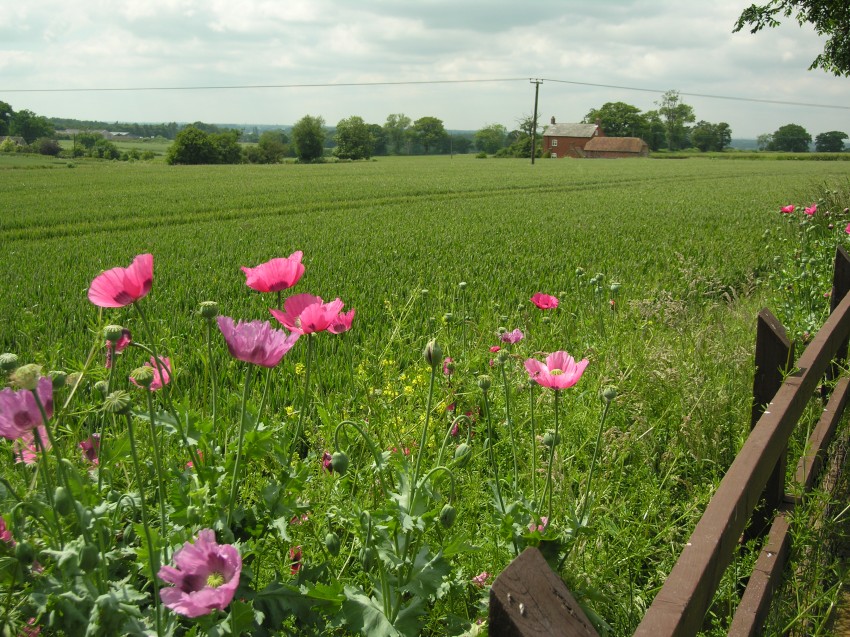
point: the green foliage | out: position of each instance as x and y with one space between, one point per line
791 138
619 119
396 129
354 139
308 138
830 142
710 137
828 17
195 146
271 148
47 146
30 126
675 114
491 138
429 131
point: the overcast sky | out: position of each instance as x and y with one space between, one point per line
641 44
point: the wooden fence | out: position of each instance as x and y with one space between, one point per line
528 598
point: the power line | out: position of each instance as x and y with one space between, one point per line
237 87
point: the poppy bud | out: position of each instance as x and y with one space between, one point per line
462 285
25 553
332 543
609 394
462 455
58 378
448 514
63 501
208 309
549 439
339 463
27 376
101 386
433 353
89 558
484 382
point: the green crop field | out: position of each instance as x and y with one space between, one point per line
659 266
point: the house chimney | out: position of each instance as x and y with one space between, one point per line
553 119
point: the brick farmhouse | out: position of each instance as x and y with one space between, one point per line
616 147
568 140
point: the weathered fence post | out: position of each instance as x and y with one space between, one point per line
840 287
529 599
774 357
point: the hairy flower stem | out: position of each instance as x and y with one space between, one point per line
492 453
160 487
593 461
533 442
265 393
547 491
43 468
423 440
152 554
296 440
193 452
510 423
375 453
240 440
213 380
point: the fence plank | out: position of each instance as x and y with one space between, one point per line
766 576
840 287
808 468
774 356
529 599
680 606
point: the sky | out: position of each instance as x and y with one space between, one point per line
466 62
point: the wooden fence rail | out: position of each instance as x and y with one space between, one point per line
529 599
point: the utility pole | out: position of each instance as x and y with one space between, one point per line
537 84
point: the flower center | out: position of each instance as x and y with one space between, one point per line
556 372
215 579
298 322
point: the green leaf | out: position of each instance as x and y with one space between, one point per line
365 615
428 573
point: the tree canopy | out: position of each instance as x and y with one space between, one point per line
353 139
619 119
830 18
195 146
429 132
830 142
396 129
675 114
791 138
308 137
491 138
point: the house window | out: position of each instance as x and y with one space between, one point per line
554 143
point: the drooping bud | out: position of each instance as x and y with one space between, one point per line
332 543
339 463
143 375
89 558
503 356
8 361
26 376
448 515
112 333
58 378
63 500
463 454
118 402
433 353
208 309
549 439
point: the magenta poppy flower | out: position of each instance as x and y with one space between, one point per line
847 229
811 210
25 449
342 323
305 313
5 533
295 559
275 275
448 366
327 464
480 580
544 301
512 337
495 348
19 412
787 209
256 342
90 448
118 346
558 372
159 379
205 578
122 286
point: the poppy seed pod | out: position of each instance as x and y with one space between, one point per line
26 376
112 333
208 309
143 376
484 382
58 378
8 361
118 402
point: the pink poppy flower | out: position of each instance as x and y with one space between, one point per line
326 462
295 558
480 580
495 348
90 448
205 578
544 301
159 379
847 229
5 533
118 346
305 313
256 342
448 366
19 412
811 210
787 209
560 370
25 448
512 337
342 323
122 286
533 526
275 275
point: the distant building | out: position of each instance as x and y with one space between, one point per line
569 140
616 148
